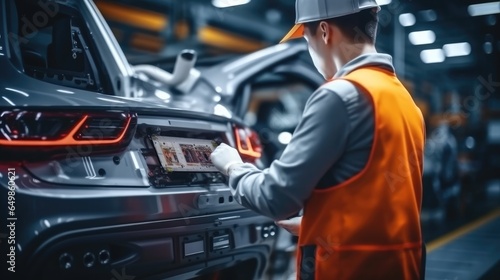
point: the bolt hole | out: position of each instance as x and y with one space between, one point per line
230 198
88 259
102 172
104 257
221 200
66 261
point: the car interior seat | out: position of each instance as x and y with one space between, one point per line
63 53
13 26
33 58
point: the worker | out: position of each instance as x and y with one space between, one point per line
354 163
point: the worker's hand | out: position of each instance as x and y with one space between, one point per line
292 225
224 157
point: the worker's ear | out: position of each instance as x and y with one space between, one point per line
324 29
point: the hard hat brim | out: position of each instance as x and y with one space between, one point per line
296 32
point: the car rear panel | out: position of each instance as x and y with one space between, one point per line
96 208
124 205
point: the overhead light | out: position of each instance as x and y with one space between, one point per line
422 37
432 56
488 47
285 137
428 15
229 3
407 19
273 16
484 9
457 49
383 2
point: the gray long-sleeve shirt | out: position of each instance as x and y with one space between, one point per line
330 145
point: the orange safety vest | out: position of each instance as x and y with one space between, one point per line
368 227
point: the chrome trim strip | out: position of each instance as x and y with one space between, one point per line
182 123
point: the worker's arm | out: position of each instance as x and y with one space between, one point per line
318 142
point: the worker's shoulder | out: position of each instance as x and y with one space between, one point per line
345 90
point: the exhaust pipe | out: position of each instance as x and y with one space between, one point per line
184 63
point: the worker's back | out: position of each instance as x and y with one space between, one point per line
368 227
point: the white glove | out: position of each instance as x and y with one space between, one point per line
292 225
224 156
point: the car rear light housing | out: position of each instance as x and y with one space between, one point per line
22 130
247 143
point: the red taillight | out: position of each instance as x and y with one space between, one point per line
52 129
247 142
103 129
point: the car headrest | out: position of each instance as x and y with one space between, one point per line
60 52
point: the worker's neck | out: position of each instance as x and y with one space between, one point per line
350 52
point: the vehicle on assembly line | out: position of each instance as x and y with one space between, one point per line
268 89
105 165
